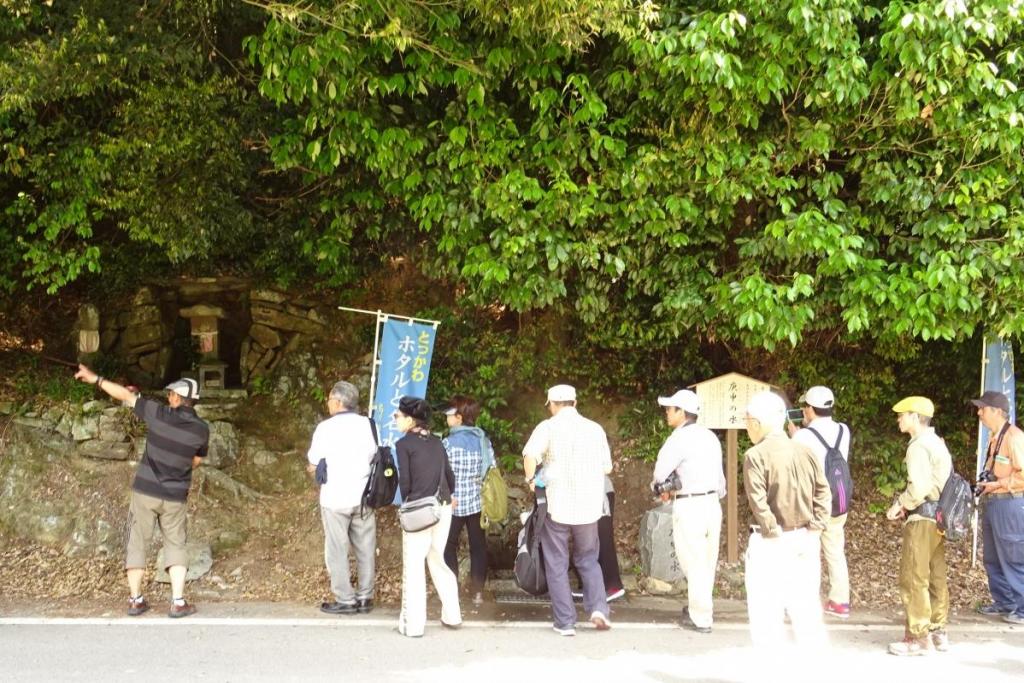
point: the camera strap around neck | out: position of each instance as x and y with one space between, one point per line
993 452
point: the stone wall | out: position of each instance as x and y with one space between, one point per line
279 326
66 471
103 431
140 336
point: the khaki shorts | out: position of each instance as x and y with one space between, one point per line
144 513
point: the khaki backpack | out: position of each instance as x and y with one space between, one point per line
494 497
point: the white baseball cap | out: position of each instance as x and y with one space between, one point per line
561 392
683 399
186 387
818 397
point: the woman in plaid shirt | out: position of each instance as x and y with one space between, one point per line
470 455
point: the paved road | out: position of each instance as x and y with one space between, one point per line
366 648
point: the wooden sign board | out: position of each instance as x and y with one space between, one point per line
724 399
723 405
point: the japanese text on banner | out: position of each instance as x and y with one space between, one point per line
405 353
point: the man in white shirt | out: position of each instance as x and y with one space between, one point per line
818 430
344 443
575 457
694 453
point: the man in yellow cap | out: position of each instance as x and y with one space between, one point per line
923 564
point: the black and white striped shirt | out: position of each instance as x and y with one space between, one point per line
173 437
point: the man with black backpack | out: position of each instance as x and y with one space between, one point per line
830 442
339 455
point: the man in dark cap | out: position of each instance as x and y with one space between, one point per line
176 440
1002 501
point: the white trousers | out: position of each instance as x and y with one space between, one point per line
696 529
783 576
417 548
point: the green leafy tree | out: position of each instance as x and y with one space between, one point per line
118 121
755 173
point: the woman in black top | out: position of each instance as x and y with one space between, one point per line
423 471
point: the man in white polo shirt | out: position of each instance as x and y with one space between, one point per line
818 433
574 454
694 453
342 447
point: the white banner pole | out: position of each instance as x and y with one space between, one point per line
381 318
435 323
977 471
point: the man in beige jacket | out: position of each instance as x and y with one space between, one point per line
923 563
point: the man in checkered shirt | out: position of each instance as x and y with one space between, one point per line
574 457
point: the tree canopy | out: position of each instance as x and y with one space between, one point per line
754 172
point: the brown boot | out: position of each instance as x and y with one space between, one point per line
137 606
912 647
179 611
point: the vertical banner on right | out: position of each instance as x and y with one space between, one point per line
997 375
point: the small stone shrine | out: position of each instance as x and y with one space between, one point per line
222 330
204 322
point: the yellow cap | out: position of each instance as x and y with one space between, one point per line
915 404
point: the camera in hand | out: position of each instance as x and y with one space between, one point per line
670 484
985 476
795 415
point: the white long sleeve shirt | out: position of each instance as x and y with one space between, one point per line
695 453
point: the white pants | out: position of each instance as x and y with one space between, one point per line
427 545
783 575
696 529
833 547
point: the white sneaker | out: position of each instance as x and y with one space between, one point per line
576 595
600 621
615 595
570 631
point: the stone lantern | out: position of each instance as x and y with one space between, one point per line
203 319
88 328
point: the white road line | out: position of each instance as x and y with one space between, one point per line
388 623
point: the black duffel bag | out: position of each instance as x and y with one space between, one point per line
529 568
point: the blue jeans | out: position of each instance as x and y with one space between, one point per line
1003 540
554 541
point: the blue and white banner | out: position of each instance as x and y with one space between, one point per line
997 375
405 352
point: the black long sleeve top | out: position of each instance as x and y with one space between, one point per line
422 462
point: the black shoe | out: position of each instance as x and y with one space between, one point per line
337 608
364 605
993 610
687 622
